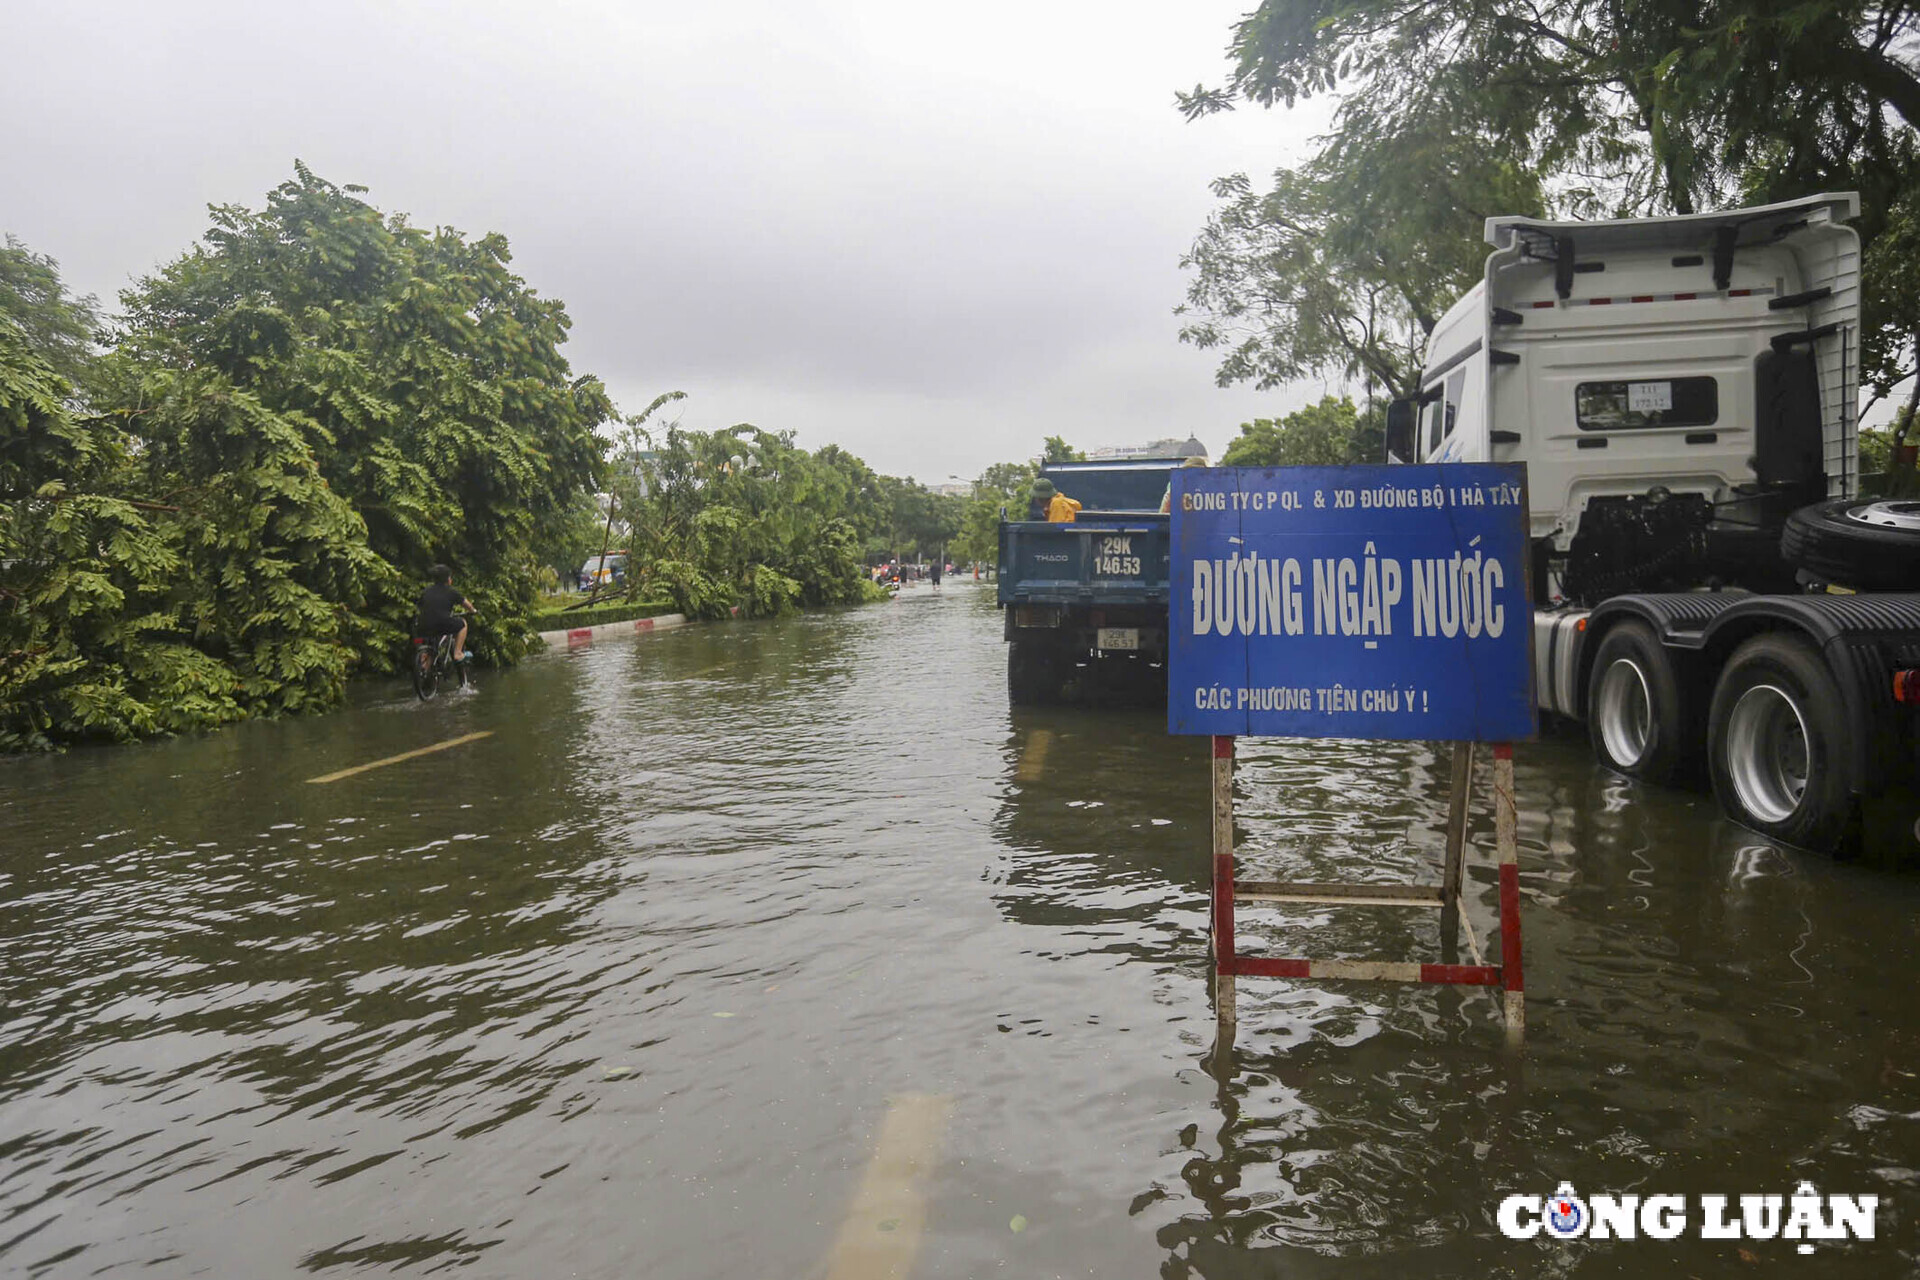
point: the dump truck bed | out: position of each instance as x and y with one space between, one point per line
1105 558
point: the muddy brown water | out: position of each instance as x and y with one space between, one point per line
631 986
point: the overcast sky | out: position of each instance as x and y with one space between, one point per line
933 235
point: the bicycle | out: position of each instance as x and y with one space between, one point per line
430 661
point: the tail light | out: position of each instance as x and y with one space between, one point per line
1906 687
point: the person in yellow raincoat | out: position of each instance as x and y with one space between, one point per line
1051 505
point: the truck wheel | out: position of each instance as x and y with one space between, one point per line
1872 546
1033 676
1777 745
1636 714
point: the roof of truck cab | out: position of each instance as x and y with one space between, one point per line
1680 230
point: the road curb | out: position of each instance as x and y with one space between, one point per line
584 637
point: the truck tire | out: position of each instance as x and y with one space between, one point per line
1777 744
1637 715
1855 542
1033 673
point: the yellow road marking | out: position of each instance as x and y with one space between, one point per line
1034 760
882 1230
404 755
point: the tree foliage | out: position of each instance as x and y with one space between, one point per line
1330 433
58 327
424 377
920 522
231 508
1056 449
1581 108
94 638
1002 487
744 518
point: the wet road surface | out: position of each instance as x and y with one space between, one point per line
786 949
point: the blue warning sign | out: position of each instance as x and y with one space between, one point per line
1352 602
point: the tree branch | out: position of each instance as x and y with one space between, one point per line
1885 76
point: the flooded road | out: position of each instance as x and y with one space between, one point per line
785 949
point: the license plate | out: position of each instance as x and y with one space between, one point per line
1119 638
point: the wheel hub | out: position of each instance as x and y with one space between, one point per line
1888 515
1767 753
1625 713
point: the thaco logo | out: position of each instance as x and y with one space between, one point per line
1805 1216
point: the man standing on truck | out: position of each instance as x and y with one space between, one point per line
1166 499
1050 505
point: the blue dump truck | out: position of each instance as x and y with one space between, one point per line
1086 603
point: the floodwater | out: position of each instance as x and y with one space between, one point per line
785 949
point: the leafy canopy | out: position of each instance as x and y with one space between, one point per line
1453 109
1330 433
425 378
232 508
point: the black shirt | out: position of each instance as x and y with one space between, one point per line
437 603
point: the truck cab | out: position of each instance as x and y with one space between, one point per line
1713 597
1689 378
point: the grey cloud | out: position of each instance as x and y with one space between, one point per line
930 235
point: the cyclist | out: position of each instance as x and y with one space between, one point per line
434 616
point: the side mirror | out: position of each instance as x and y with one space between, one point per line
1400 426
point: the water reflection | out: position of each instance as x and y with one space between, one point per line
1694 1011
1105 824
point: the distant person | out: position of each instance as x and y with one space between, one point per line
433 616
935 574
1166 499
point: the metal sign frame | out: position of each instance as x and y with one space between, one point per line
1229 964
1301 527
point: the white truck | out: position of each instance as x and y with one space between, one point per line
1712 597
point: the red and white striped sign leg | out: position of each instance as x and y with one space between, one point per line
1228 964
1506 841
1226 1013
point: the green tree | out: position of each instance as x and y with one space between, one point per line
744 518
1000 488
92 642
565 536
1614 107
1341 267
920 522
1055 449
1320 435
424 376
57 327
276 571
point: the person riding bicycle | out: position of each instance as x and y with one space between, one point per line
433 617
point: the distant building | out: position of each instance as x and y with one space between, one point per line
951 490
1171 447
